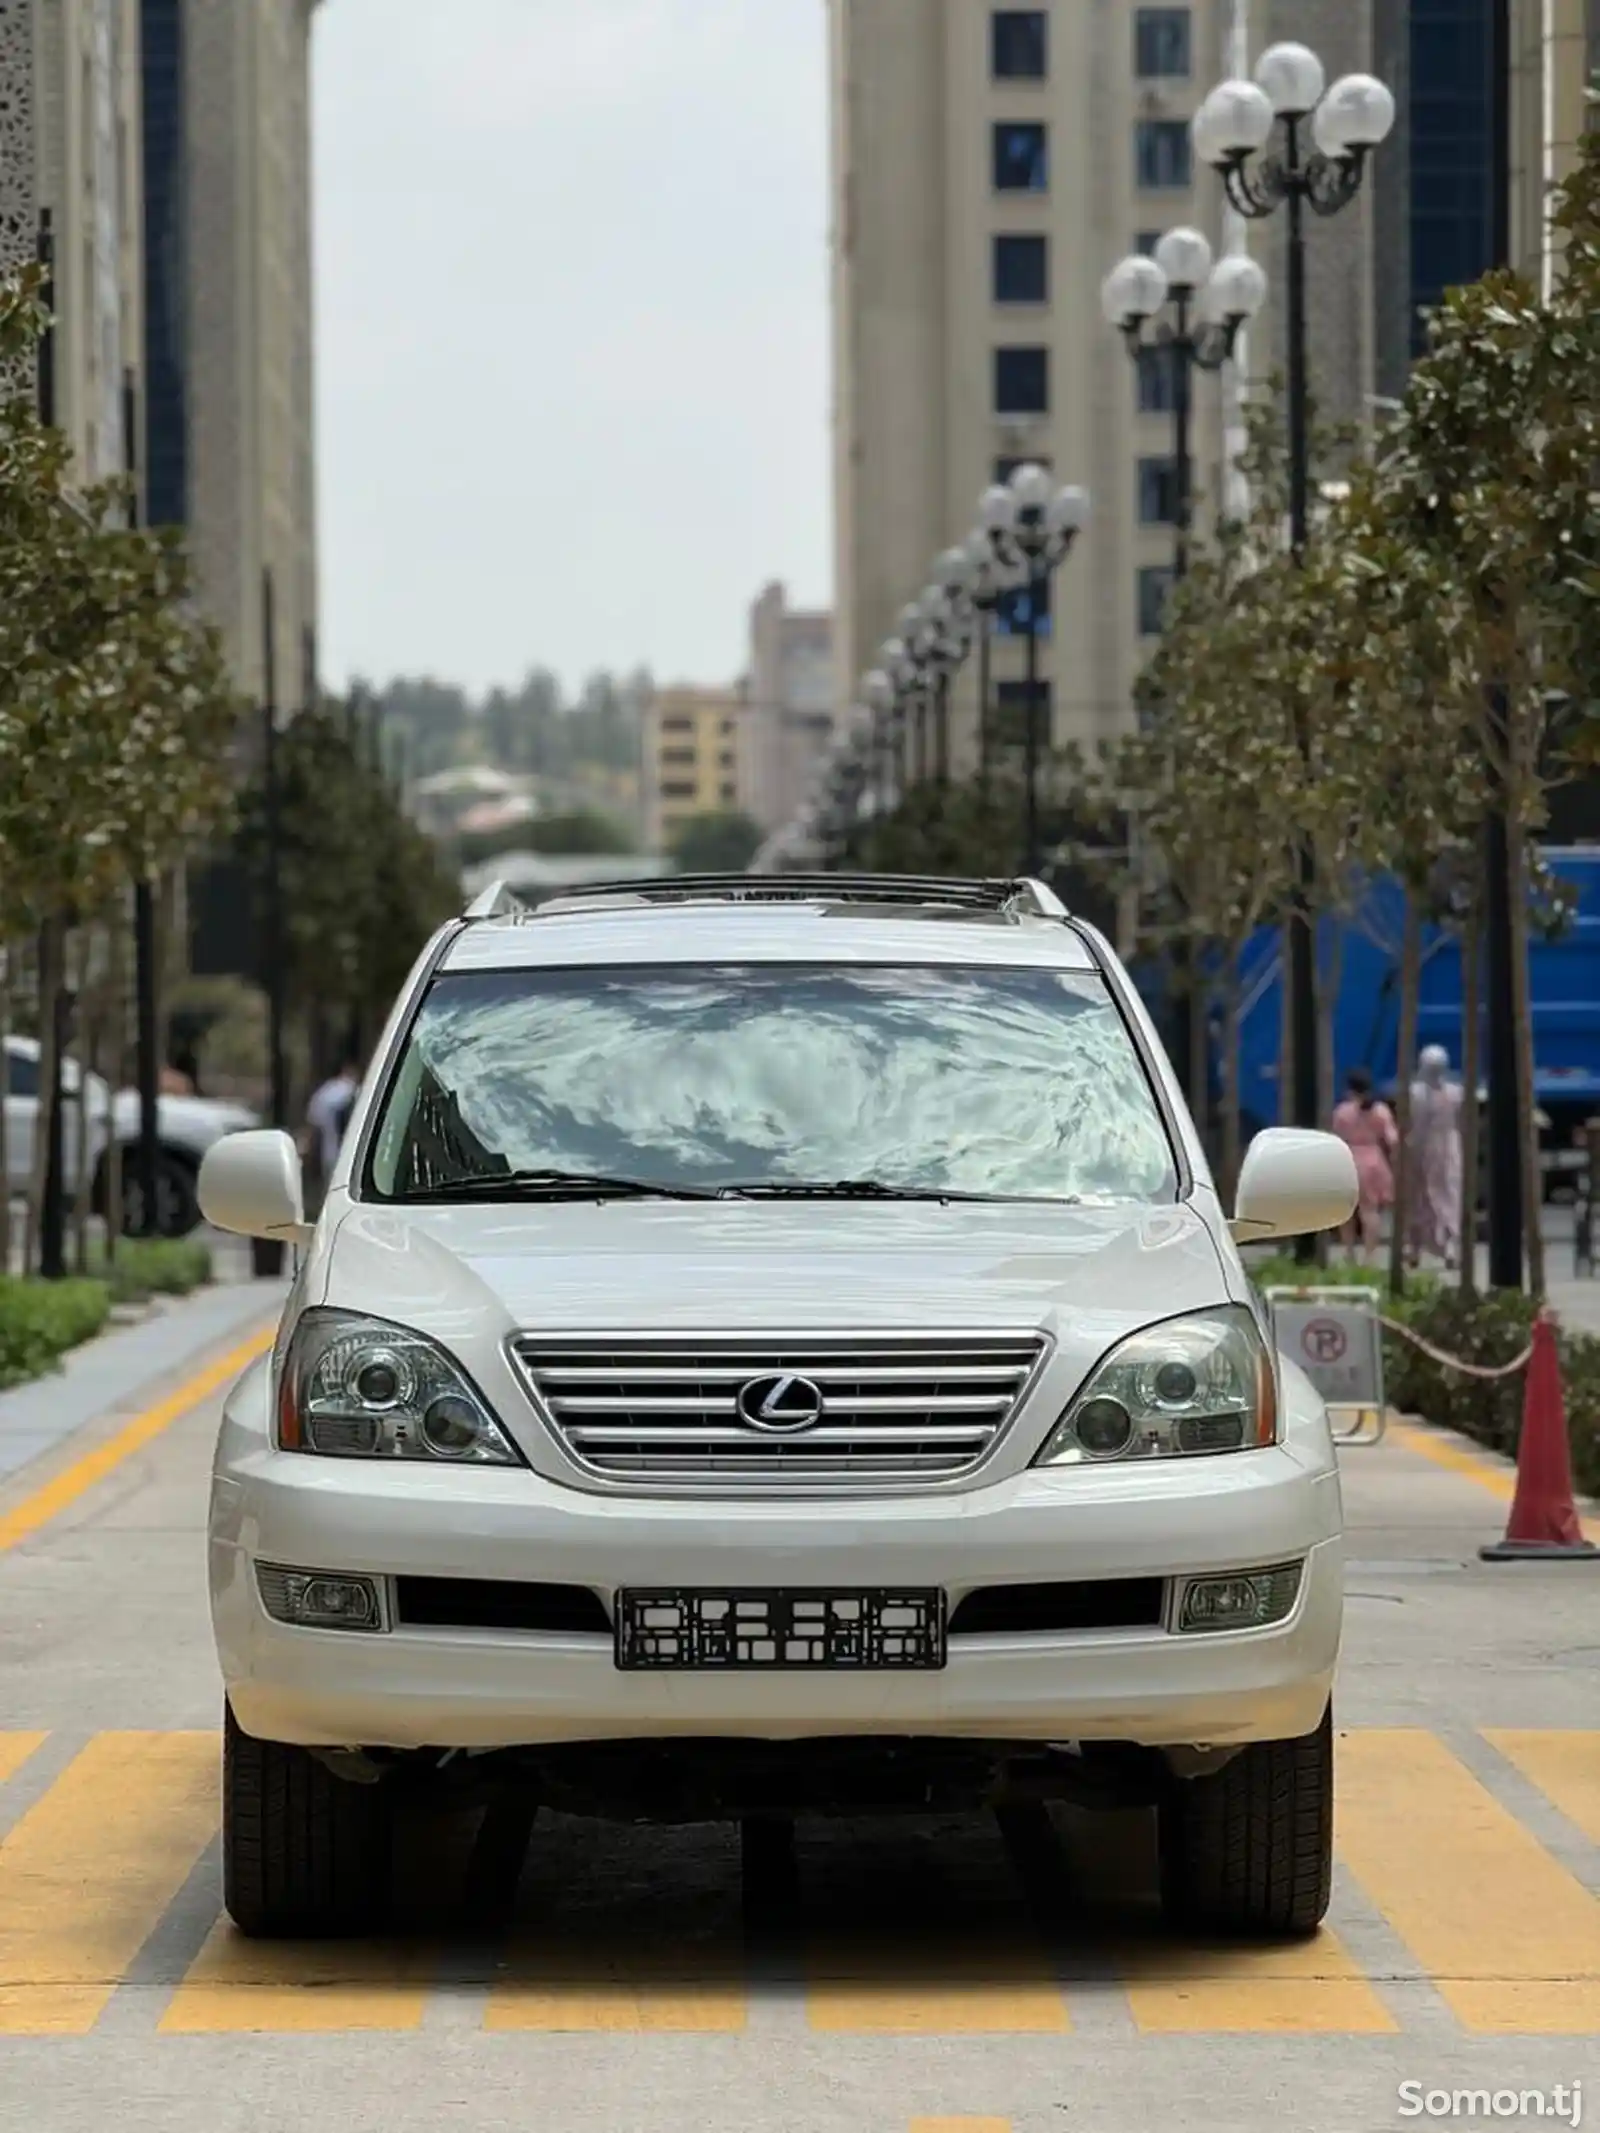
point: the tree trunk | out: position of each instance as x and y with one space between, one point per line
1405 1060
88 1119
1232 1124
1286 1058
1471 1070
117 1064
1199 1045
7 968
52 938
1527 1126
1327 1015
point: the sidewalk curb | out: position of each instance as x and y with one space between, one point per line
127 1368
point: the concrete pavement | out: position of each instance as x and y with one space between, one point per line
947 1973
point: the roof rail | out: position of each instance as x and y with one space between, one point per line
1014 897
497 901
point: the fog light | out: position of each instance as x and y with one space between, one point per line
1246 1599
318 1599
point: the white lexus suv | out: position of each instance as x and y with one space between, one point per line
774 1344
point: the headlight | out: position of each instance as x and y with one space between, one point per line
1192 1386
357 1388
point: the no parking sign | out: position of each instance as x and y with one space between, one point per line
1336 1338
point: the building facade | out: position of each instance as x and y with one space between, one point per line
690 741
990 164
70 165
789 711
230 433
1555 55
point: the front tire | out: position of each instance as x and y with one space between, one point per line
1250 1850
305 1854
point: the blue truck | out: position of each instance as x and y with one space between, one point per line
1564 976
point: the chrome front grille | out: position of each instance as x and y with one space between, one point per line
896 1408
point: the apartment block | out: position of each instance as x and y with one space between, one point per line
691 747
990 164
1555 55
230 434
70 162
790 699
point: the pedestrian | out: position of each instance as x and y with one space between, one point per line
1368 1129
1433 1160
327 1116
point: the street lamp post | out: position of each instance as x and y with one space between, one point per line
1232 132
1211 305
1037 524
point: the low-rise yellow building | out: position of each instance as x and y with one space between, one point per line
690 743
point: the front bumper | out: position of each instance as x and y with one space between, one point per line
436 1688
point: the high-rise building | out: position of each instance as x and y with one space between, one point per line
69 165
990 164
227 156
789 709
690 742
1555 55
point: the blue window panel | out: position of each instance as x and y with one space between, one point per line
1022 381
166 364
1029 608
1163 155
1021 156
1022 270
1155 589
1019 44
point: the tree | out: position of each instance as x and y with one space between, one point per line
716 843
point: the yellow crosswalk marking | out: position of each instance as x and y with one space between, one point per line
274 1987
1509 1937
960 2125
87 1873
1564 1766
614 1984
1311 1986
15 1748
860 1985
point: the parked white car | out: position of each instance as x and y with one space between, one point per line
775 1345
187 1125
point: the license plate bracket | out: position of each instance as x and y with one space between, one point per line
777 1631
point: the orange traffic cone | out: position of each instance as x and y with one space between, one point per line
1543 1525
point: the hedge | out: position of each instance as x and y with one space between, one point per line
154 1266
41 1320
1488 1330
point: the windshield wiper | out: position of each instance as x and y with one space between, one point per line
853 1189
552 1185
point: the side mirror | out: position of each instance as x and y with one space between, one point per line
1293 1184
250 1183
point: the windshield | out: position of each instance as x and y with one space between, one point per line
1004 1082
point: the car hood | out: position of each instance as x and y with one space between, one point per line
461 1273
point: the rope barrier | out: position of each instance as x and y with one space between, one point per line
1454 1362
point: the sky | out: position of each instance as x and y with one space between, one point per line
572 332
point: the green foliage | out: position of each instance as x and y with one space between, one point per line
716 843
529 731
41 1320
116 713
583 832
363 888
143 1267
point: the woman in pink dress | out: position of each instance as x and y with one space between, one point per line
1368 1129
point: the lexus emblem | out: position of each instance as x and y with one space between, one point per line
779 1406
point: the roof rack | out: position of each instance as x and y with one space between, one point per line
497 901
1013 897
